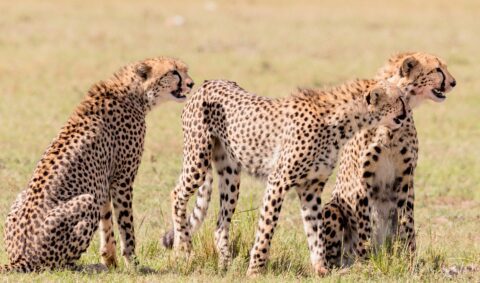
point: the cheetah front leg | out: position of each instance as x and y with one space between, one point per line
107 238
121 194
310 199
363 227
336 233
405 227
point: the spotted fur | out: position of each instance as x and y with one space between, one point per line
373 199
88 168
290 142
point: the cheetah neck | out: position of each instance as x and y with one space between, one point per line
407 87
126 92
343 108
350 118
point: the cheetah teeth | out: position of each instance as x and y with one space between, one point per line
438 93
178 94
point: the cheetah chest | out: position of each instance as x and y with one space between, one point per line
383 199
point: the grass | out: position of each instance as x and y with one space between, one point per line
52 51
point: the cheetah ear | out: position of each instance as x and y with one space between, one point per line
407 66
372 98
143 71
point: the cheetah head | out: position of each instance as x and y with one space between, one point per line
421 76
163 79
386 103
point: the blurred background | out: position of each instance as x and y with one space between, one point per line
52 51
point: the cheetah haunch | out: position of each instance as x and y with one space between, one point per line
291 142
89 167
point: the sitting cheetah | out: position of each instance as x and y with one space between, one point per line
89 167
291 142
373 198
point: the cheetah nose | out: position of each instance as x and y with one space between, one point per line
453 83
190 85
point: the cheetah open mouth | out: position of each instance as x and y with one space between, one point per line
438 93
178 93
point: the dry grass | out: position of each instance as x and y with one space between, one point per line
51 51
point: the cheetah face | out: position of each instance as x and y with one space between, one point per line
386 103
426 77
423 77
164 79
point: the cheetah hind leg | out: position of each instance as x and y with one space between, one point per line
228 187
199 212
68 230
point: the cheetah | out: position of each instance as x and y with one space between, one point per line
373 198
88 168
290 142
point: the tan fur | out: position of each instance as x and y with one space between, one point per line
88 168
291 142
373 199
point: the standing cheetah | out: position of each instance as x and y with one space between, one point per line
89 167
291 142
373 198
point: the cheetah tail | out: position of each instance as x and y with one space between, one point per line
199 212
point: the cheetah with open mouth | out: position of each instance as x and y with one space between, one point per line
373 198
291 142
88 168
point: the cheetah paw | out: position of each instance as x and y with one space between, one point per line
253 273
320 270
224 262
110 261
183 251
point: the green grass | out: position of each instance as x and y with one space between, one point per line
52 51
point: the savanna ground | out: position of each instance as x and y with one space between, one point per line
52 51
